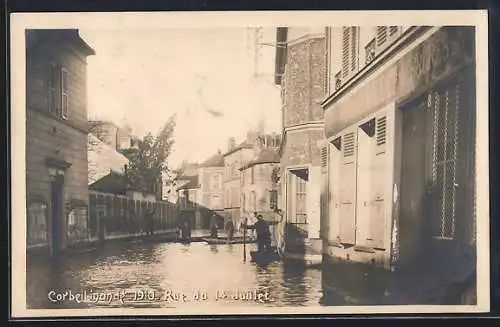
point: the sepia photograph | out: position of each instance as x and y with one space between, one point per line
249 163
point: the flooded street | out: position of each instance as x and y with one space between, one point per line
168 275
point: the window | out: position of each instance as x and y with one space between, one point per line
216 182
64 94
301 198
252 175
37 223
58 85
191 199
385 35
444 154
77 223
350 49
242 178
215 201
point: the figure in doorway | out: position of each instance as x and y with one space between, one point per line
213 226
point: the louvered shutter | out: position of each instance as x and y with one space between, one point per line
346 35
381 35
354 49
347 181
64 94
393 30
324 192
377 221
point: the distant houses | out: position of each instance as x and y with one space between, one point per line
232 185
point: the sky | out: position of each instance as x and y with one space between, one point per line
206 77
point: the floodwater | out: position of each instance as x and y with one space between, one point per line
168 275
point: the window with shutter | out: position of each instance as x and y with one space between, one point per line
354 49
381 35
346 36
64 93
393 30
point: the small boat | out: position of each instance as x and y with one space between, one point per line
220 240
265 257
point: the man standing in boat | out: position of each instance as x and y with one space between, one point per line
261 228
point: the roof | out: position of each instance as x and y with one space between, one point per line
36 36
266 155
192 182
103 158
243 145
113 182
217 160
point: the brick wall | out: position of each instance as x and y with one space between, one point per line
304 81
301 147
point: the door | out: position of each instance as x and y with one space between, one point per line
413 181
364 187
334 189
347 180
378 220
57 213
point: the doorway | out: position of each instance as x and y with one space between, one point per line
56 187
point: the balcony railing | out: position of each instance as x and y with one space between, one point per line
370 51
338 80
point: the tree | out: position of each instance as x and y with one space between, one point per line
149 158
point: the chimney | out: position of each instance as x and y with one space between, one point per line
231 144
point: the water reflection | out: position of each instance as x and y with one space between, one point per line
171 269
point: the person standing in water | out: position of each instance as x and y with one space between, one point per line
261 228
213 226
230 229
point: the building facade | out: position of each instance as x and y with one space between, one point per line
115 136
189 195
56 140
399 176
211 174
234 159
301 73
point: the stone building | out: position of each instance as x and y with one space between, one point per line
399 162
257 184
211 174
236 157
56 140
118 137
301 73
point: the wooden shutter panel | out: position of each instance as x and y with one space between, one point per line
381 35
393 30
64 94
378 198
324 197
346 35
347 181
354 48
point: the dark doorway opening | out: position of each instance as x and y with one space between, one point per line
57 213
